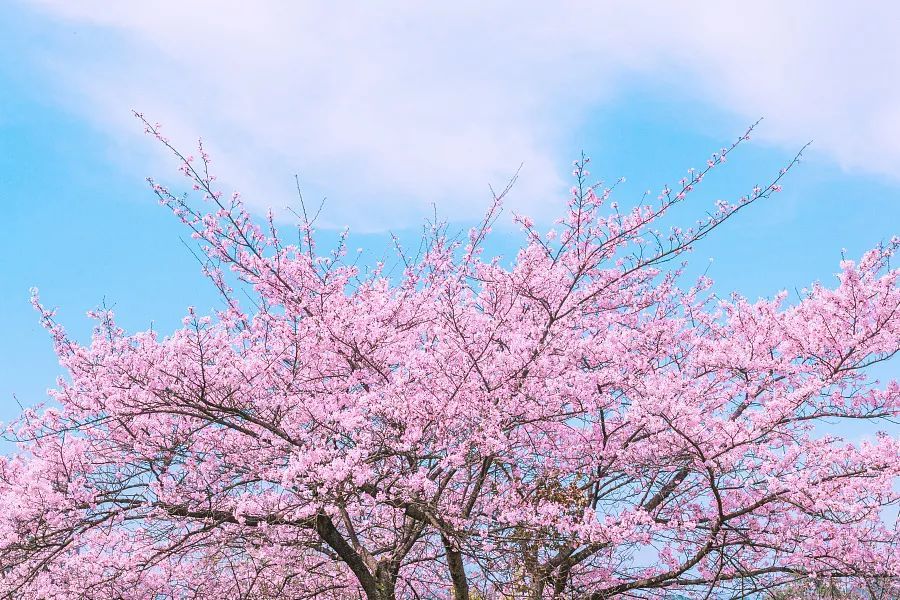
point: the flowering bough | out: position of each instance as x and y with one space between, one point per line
575 425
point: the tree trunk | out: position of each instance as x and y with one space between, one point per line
457 570
386 583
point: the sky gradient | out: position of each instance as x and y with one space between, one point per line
389 111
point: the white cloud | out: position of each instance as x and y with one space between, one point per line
390 106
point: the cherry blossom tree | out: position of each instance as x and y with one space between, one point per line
577 422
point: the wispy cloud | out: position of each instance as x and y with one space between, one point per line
390 106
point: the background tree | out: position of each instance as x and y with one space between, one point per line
577 424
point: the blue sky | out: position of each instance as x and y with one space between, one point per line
388 111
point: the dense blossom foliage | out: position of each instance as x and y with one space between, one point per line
575 423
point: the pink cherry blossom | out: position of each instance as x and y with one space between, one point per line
583 422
